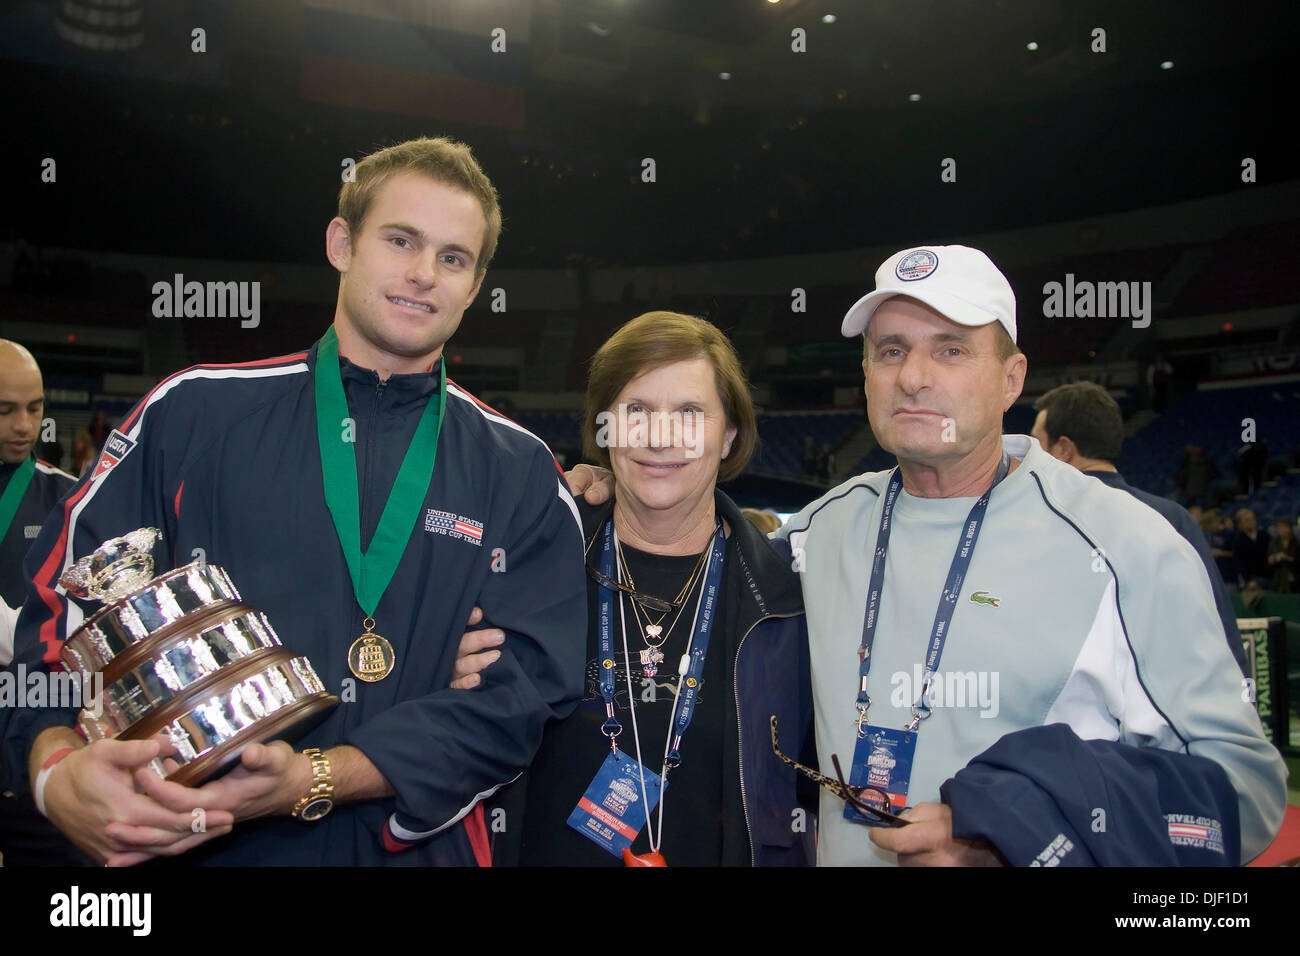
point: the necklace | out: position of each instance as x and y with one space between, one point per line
654 634
683 705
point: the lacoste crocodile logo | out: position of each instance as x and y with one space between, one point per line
982 597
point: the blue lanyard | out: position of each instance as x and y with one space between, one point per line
605 610
947 601
689 688
699 647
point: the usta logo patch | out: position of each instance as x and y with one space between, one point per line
116 447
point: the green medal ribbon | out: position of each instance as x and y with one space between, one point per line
14 492
373 569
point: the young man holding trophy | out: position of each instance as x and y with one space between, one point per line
364 503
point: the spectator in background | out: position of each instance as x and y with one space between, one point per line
1207 521
1283 553
1160 373
1250 548
99 429
1218 530
51 451
1249 465
809 456
1081 425
83 452
826 463
1194 477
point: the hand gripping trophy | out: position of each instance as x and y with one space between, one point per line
180 654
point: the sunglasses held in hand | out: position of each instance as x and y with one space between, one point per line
853 797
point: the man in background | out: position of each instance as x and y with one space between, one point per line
1081 425
29 490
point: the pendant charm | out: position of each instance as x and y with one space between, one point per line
653 858
652 631
651 658
371 657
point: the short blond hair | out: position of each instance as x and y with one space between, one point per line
442 160
652 341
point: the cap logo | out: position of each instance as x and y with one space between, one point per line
916 265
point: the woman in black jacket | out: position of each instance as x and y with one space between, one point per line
695 635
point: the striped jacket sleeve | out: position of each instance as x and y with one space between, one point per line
127 489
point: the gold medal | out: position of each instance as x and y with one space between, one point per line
371 657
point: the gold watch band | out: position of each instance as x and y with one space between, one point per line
322 788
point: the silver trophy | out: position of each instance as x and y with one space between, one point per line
182 655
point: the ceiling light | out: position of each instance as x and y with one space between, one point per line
914 97
829 18
724 76
1167 65
1031 45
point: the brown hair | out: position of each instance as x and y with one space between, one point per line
442 160
1006 345
656 339
1085 413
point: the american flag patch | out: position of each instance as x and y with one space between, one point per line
454 526
1199 832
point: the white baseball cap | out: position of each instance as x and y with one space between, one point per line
959 282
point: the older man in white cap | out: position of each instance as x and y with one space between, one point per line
1029 661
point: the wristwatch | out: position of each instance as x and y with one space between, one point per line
319 800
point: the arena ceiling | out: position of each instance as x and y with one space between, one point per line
827 138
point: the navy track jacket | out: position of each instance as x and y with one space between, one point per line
225 459
1044 797
48 485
